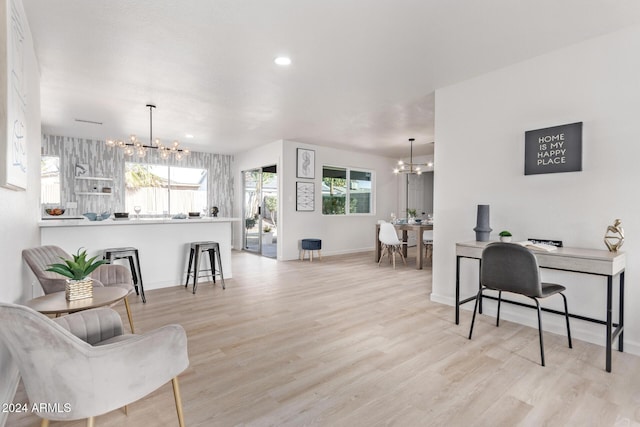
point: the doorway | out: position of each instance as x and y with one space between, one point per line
260 211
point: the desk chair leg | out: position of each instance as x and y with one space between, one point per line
44 423
178 399
475 309
566 315
540 330
91 422
126 304
382 252
499 301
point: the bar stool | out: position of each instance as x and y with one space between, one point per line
195 249
310 245
131 254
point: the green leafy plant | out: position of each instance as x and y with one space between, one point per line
505 233
266 229
412 212
77 268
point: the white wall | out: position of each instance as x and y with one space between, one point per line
20 209
339 233
479 152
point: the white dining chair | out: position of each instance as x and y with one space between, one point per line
390 242
427 241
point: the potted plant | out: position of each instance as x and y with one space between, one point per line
77 271
505 236
267 235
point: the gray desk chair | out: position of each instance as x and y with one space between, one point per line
39 259
513 268
85 361
391 244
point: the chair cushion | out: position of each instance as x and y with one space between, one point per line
311 244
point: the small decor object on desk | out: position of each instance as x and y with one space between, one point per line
214 211
79 285
482 228
614 237
505 236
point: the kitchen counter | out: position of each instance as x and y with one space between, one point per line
163 244
84 222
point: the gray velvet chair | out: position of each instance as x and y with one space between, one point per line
510 267
39 259
84 363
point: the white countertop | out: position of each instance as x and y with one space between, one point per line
84 222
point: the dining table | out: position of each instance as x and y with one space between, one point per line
406 228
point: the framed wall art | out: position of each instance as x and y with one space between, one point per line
306 163
13 143
305 196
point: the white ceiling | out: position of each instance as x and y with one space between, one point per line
363 72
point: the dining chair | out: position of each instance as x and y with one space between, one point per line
84 361
390 242
509 267
39 259
427 241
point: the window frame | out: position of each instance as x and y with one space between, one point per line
348 170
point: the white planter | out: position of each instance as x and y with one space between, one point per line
267 238
505 239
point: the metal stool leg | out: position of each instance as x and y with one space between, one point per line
212 263
196 267
219 266
133 273
186 283
139 272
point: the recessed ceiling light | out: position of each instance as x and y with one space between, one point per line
282 60
188 135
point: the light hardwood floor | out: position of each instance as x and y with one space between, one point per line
343 342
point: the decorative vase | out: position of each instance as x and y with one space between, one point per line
78 289
482 228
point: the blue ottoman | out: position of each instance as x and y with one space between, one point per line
310 245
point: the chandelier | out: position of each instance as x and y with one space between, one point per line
410 168
134 147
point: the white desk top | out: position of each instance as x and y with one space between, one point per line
594 261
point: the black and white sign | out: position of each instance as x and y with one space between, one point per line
554 149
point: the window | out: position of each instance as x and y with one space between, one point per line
342 187
160 190
50 180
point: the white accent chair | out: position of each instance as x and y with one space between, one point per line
390 242
85 362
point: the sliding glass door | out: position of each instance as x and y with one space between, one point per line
260 209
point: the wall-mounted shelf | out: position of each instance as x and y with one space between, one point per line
95 178
92 193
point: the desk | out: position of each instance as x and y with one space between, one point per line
415 228
587 261
56 303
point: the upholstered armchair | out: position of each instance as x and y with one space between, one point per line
39 259
86 364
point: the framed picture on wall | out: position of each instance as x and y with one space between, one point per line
305 196
306 163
